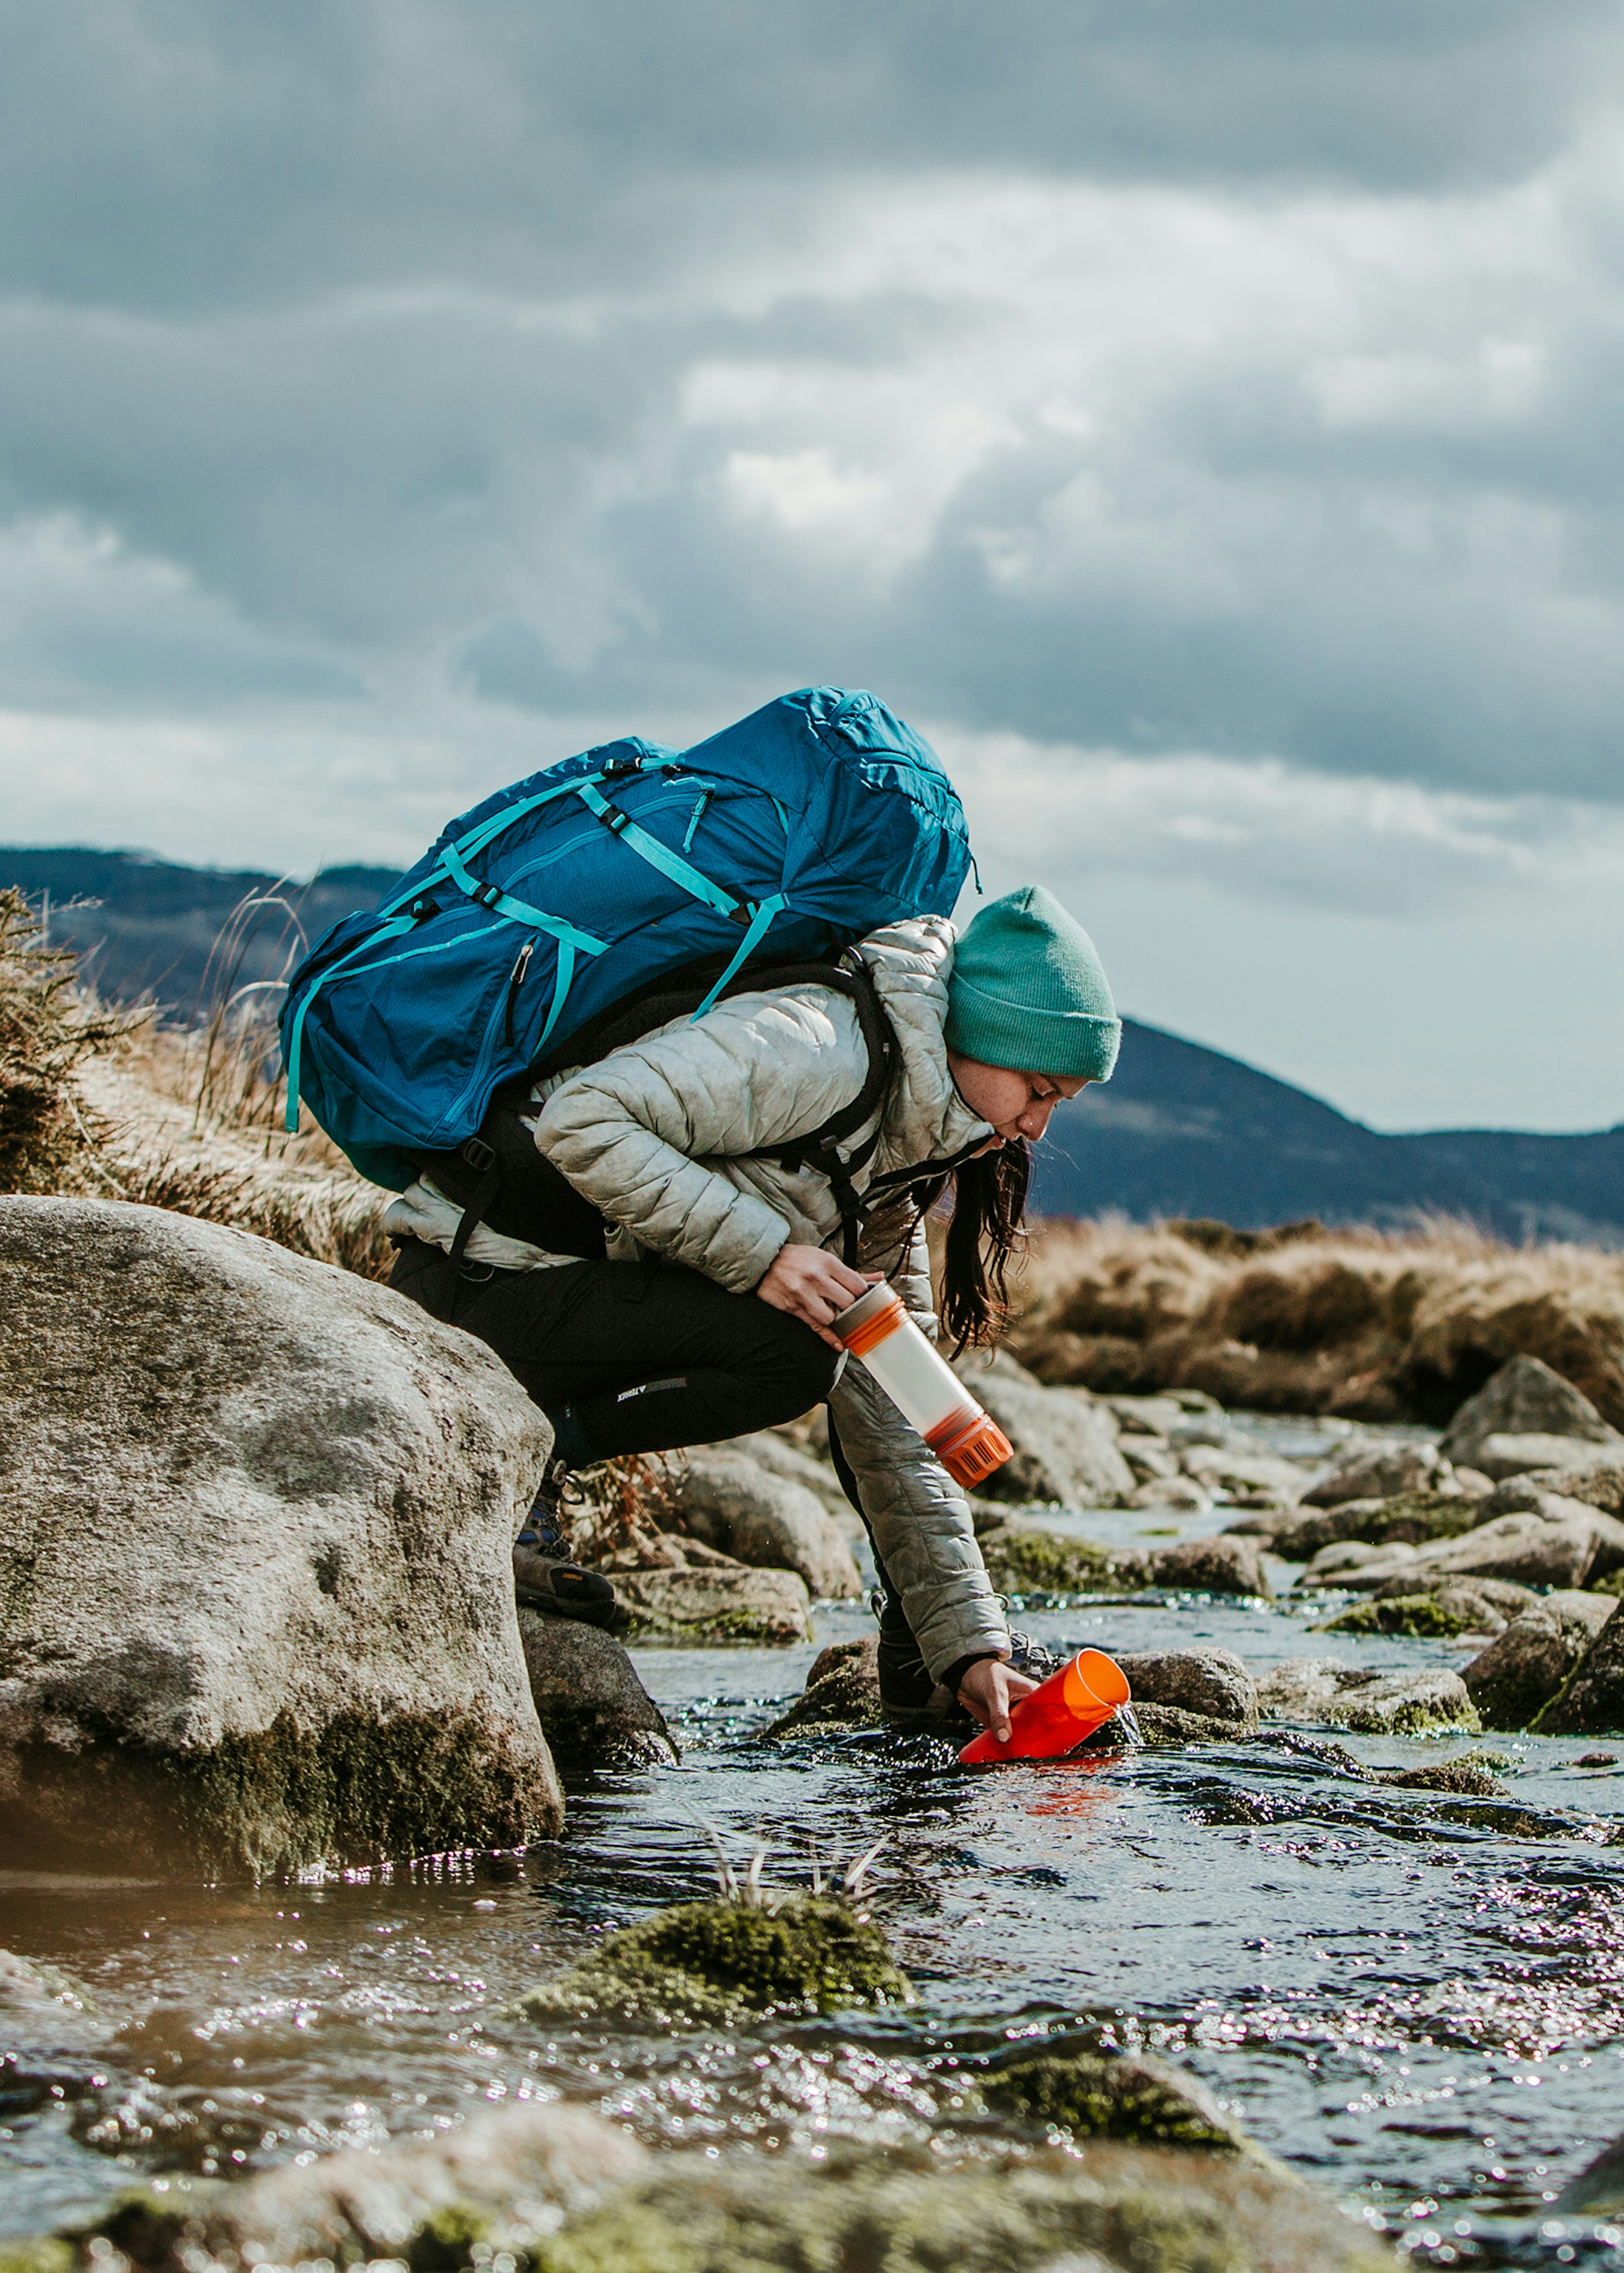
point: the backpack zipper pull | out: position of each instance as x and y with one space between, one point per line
515 981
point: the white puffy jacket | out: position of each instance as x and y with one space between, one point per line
653 1136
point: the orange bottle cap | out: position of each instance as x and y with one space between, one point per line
973 1451
870 1319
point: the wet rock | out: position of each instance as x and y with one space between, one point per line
1547 1548
716 1609
1220 1468
595 1711
1469 1776
1500 1456
1180 1492
1592 1703
1598 1484
1148 1460
1066 1452
842 1692
1525 1397
1325 1692
1598 2189
1161 1727
1363 1470
1331 1566
1223 1565
1409 1516
1531 1495
1440 1617
721 1963
1023 1558
1104 2206
769 1522
1091 2097
1523 1668
1497 1595
255 1523
502 2181
1145 1416
26 1985
1208 1682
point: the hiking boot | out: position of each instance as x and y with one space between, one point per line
543 1579
911 1699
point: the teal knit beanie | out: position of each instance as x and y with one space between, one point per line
1026 991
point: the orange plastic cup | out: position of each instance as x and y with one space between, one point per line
1059 1713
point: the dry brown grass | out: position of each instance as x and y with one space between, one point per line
96 1101
1373 1325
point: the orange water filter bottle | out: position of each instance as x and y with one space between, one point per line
1058 1713
922 1387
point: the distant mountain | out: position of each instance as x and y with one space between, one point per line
1180 1130
148 928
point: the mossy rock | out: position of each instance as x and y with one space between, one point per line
924 2223
716 1964
1412 1518
1472 1776
1128 2210
848 1698
1022 1561
1400 1614
1161 1726
1093 2097
1613 1584
41 2253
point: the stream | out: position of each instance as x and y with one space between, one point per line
1416 2001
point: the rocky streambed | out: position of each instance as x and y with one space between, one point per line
1364 1920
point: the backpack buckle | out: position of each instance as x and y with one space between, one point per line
488 894
421 909
743 914
617 768
479 1155
614 819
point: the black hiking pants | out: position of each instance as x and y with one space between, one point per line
643 1357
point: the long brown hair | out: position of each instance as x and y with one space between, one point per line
989 1205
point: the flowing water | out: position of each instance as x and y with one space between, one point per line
1416 2000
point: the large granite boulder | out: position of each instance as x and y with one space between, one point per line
1065 1445
593 1710
1525 1397
727 1500
1592 1702
1225 1564
255 1520
1523 1668
1410 1516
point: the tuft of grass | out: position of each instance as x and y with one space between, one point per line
48 1028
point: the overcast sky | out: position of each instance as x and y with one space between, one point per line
1207 422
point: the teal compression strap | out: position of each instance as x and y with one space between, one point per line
681 872
761 917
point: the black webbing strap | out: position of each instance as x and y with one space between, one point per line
479 1157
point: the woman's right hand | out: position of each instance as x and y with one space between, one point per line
813 1286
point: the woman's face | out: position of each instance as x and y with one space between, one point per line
1016 1103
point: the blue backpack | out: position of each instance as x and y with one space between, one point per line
816 819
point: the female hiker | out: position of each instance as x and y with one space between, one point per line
681 1290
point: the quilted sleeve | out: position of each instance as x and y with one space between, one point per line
634 1133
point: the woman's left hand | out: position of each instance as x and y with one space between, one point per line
988 1690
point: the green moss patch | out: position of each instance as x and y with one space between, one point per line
716 1964
1093 2097
1400 1613
1032 1561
